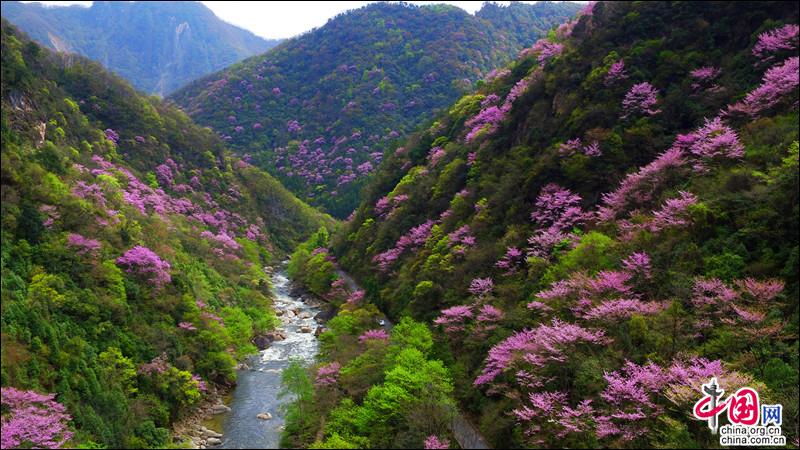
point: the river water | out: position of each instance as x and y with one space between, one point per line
257 389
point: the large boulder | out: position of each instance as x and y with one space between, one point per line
211 434
219 409
263 341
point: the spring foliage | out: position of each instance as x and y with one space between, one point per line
133 248
621 276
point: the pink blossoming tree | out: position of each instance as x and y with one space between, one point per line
144 262
640 99
32 420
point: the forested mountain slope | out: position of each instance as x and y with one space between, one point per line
133 255
318 110
594 233
157 46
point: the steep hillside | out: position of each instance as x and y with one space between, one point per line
319 110
133 255
597 231
157 46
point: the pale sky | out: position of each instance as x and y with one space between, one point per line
284 19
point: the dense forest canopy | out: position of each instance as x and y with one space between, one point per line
319 110
600 228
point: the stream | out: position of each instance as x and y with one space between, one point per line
257 388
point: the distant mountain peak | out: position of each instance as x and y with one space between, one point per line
159 46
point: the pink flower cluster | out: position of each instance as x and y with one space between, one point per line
544 50
615 73
481 287
293 126
146 199
187 326
783 39
556 211
511 261
435 154
454 319
674 213
713 299
32 420
434 443
157 365
640 99
557 207
373 335
777 85
355 298
573 146
537 348
714 140
704 79
50 213
201 384
328 374
618 309
144 262
638 264
83 245
460 239
632 393
549 418
640 187
112 136
487 121
608 296
414 238
386 206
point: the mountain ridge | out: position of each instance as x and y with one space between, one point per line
307 110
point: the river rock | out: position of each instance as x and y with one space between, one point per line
211 434
312 302
213 441
277 335
305 329
325 315
219 409
305 315
279 312
262 341
264 416
319 331
290 314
